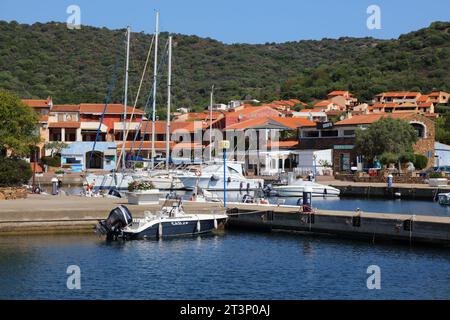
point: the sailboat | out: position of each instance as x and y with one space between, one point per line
115 180
120 180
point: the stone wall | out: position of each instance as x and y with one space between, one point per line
13 193
403 178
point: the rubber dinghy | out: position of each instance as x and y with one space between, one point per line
171 220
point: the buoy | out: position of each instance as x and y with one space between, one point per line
198 226
215 223
160 230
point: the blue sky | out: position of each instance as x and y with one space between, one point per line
244 21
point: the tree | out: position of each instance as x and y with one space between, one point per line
420 161
55 147
392 138
18 126
14 172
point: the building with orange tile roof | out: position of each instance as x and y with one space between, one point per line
42 108
341 136
397 97
439 97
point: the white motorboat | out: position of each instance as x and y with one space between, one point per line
444 198
211 177
171 220
296 188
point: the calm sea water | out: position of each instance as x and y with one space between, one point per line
229 265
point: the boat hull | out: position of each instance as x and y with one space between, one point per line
206 183
174 228
298 192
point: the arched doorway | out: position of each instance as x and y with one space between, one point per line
95 161
420 128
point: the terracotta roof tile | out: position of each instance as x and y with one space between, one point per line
65 108
36 102
370 118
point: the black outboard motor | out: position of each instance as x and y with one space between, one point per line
117 220
114 193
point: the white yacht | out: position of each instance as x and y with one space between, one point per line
211 177
296 188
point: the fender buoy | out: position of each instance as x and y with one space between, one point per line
198 173
160 230
215 223
198 226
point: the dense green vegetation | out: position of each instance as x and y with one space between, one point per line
14 172
76 66
18 126
417 61
389 140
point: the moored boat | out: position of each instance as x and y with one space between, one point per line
444 198
171 220
296 189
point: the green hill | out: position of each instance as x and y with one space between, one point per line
76 65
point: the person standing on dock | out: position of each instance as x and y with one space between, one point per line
59 186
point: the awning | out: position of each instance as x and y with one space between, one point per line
118 126
93 126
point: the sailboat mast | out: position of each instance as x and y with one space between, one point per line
169 85
210 121
155 69
125 100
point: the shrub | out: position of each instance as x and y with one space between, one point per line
434 175
14 172
138 165
407 157
420 161
140 186
52 161
388 158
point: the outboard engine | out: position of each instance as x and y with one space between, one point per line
113 192
117 220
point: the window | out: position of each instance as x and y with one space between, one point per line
311 134
329 133
349 132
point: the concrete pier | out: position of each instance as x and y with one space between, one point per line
58 214
403 192
374 226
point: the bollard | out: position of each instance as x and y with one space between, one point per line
390 179
54 186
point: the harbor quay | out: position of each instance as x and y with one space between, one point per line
46 214
381 190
